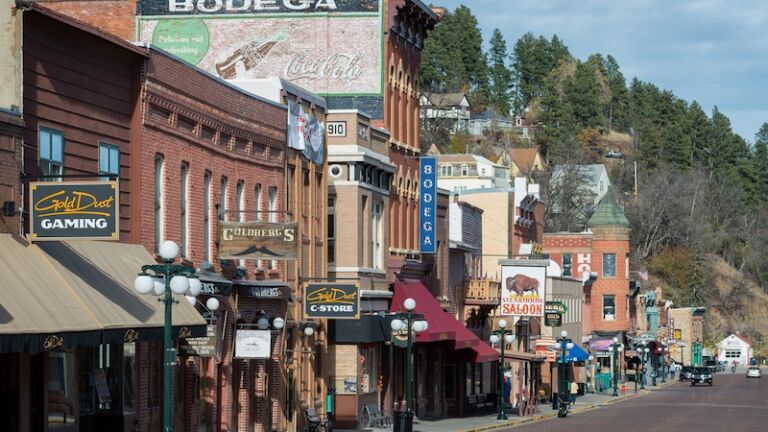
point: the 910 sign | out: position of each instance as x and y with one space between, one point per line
337 129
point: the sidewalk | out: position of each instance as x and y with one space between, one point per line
489 423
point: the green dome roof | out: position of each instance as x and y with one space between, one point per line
608 213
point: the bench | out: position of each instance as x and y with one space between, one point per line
372 417
486 403
478 404
314 421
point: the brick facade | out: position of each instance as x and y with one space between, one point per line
113 16
10 166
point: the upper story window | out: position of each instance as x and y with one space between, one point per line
609 307
109 161
567 264
51 157
207 216
223 198
446 170
159 200
464 170
609 265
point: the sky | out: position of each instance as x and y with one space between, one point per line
711 51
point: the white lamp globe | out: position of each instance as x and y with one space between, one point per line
195 287
621 348
426 325
158 287
495 338
169 250
278 323
502 323
569 345
418 326
397 324
309 331
143 284
564 333
179 284
557 345
509 338
212 304
262 323
191 300
409 304
615 340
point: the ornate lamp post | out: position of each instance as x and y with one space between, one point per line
165 280
563 344
682 352
643 351
616 348
411 322
504 336
664 353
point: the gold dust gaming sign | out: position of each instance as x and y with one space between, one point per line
74 210
328 300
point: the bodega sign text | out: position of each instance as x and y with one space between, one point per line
74 210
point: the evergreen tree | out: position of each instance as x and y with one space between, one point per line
583 94
698 131
501 76
760 161
617 108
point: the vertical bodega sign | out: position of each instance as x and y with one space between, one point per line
427 204
74 210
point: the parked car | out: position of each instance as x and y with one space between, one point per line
614 154
712 365
721 366
754 372
685 373
701 375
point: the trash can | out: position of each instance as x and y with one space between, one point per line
555 403
403 421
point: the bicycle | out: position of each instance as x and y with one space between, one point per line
563 406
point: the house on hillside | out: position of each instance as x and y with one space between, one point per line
457 172
522 162
735 347
454 108
593 177
489 120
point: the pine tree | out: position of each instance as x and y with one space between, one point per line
583 94
501 76
699 133
760 161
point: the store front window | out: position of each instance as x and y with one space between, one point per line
62 388
107 382
368 368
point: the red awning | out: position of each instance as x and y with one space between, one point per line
483 353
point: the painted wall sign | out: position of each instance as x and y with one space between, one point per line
337 129
255 344
427 204
265 292
325 46
74 210
523 289
257 240
338 301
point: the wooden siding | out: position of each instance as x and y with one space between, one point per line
86 87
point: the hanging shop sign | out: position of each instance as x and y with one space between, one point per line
553 319
257 240
678 334
427 204
201 346
337 301
253 344
522 293
74 210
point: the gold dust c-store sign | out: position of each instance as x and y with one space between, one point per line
74 210
330 300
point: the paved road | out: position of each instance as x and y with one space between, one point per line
733 404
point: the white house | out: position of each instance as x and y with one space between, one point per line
453 107
594 178
734 347
458 172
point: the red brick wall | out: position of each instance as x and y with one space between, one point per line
113 16
10 164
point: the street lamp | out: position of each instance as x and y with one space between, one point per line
165 280
664 353
616 347
682 353
563 344
504 336
410 322
643 351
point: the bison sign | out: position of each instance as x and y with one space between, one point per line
522 290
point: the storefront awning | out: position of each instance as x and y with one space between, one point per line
483 353
367 329
79 293
523 356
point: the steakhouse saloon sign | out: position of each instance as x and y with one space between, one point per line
257 240
331 301
74 210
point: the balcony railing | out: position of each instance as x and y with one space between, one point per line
482 292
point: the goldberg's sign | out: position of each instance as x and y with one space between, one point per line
427 204
67 210
257 240
331 301
522 292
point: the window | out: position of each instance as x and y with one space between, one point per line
376 229
272 197
62 389
368 368
109 161
240 201
609 307
159 197
51 147
257 197
183 204
732 353
567 263
223 198
609 265
331 230
464 170
207 216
